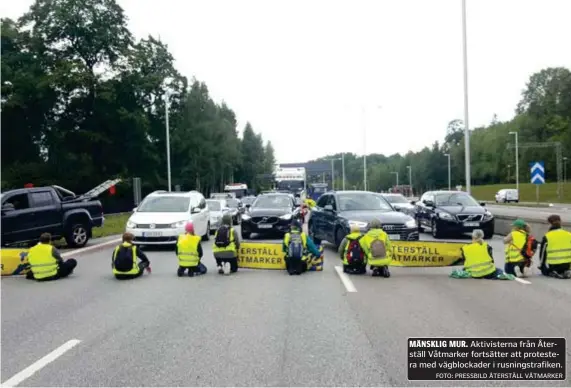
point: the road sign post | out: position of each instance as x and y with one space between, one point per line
537 170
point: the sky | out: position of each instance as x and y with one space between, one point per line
378 76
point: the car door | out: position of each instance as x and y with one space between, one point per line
46 209
421 210
316 218
204 212
430 211
18 224
330 218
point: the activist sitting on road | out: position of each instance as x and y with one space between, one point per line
189 253
296 246
226 245
124 260
378 249
46 262
478 258
515 262
352 252
555 251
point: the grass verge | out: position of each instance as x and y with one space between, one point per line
547 192
114 224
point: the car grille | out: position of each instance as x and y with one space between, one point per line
400 229
156 226
155 239
264 220
470 217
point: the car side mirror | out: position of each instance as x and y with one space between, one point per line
248 206
134 209
195 210
429 203
328 208
413 202
483 204
8 207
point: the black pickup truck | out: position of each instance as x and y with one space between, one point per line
27 213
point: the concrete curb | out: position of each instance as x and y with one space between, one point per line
93 248
503 226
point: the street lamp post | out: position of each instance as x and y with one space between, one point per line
343 168
466 116
397 174
516 162
333 171
449 173
410 179
364 123
565 169
167 103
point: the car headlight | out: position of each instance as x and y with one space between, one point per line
245 217
488 215
359 224
131 225
178 224
410 224
445 216
286 217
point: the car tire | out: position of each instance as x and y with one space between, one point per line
339 236
77 236
206 236
436 233
246 235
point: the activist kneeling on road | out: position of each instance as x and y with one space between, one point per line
189 253
297 246
378 249
352 252
124 260
556 250
226 245
479 259
46 262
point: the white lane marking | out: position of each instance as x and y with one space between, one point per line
522 281
90 248
349 286
36 366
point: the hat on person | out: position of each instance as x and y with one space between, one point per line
519 223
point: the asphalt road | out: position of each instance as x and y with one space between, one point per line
260 328
530 213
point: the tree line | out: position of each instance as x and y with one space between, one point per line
83 101
542 115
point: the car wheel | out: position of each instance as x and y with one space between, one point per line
77 236
436 233
246 235
206 236
339 236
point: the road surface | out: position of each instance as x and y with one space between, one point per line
259 328
530 213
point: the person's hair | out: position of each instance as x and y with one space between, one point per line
478 235
227 220
355 229
554 220
128 237
375 224
45 238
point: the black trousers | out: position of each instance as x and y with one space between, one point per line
199 269
142 266
559 268
355 268
509 268
64 269
233 263
295 266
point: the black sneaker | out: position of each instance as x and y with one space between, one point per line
385 272
376 272
190 273
180 272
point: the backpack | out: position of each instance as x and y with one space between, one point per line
530 247
295 247
124 259
355 254
378 249
223 237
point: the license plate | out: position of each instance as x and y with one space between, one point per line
394 236
265 226
152 234
471 224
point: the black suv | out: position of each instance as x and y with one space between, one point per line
269 213
336 211
452 212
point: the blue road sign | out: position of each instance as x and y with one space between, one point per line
537 170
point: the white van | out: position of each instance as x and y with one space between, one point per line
507 195
162 216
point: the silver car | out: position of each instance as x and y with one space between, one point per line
217 207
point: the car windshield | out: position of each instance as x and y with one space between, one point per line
395 198
214 205
273 202
165 204
233 203
455 199
362 201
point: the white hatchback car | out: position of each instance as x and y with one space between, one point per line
162 216
507 195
